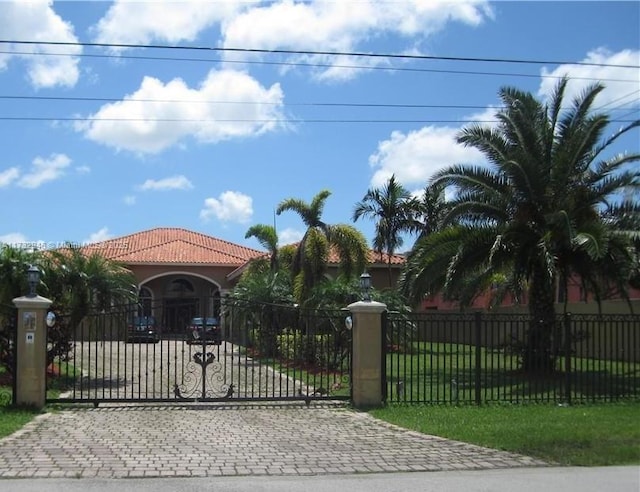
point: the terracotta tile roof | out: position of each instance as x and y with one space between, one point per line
173 245
375 258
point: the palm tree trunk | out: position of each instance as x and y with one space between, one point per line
538 355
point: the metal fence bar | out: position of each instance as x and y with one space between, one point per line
478 358
457 358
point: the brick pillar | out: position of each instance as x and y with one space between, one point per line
366 371
31 351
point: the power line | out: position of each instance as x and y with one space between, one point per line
274 120
621 107
318 65
319 53
185 101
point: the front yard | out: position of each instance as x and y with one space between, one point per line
581 435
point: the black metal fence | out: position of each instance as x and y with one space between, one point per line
477 357
258 352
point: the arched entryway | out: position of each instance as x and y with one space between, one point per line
175 298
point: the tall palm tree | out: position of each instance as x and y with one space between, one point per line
394 210
268 238
320 239
431 210
546 209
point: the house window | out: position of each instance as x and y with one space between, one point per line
145 302
180 287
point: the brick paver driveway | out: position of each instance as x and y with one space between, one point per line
213 440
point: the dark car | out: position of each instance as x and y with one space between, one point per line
204 330
143 328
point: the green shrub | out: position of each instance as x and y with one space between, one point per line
298 348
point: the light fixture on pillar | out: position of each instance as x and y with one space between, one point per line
365 286
33 279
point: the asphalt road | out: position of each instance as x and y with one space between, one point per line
613 479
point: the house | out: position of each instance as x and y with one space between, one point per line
181 274
577 302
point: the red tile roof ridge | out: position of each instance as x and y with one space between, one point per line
139 242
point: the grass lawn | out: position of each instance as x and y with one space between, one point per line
581 435
13 419
427 371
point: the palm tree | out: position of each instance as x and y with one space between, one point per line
268 238
320 239
261 289
80 282
14 263
394 210
547 208
431 210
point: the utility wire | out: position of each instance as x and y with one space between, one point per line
621 107
321 53
318 65
266 103
619 99
274 120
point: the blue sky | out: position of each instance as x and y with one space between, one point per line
100 142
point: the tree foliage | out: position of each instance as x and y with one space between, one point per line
394 210
547 208
75 281
320 240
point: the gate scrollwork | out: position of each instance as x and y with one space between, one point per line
202 377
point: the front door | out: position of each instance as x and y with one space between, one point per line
177 314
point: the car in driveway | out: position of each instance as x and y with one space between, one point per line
204 330
143 329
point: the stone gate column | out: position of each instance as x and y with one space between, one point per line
31 350
366 371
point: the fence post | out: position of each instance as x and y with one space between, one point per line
366 371
478 361
567 357
31 351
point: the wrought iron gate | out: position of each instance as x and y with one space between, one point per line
250 352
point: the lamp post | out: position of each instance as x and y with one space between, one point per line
365 286
33 279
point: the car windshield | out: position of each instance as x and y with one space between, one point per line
144 321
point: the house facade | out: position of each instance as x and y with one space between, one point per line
577 301
181 273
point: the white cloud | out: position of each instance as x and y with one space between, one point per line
129 200
96 237
228 104
16 239
171 183
8 176
83 169
616 92
288 24
128 22
342 26
36 20
44 170
485 118
415 156
230 206
289 236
